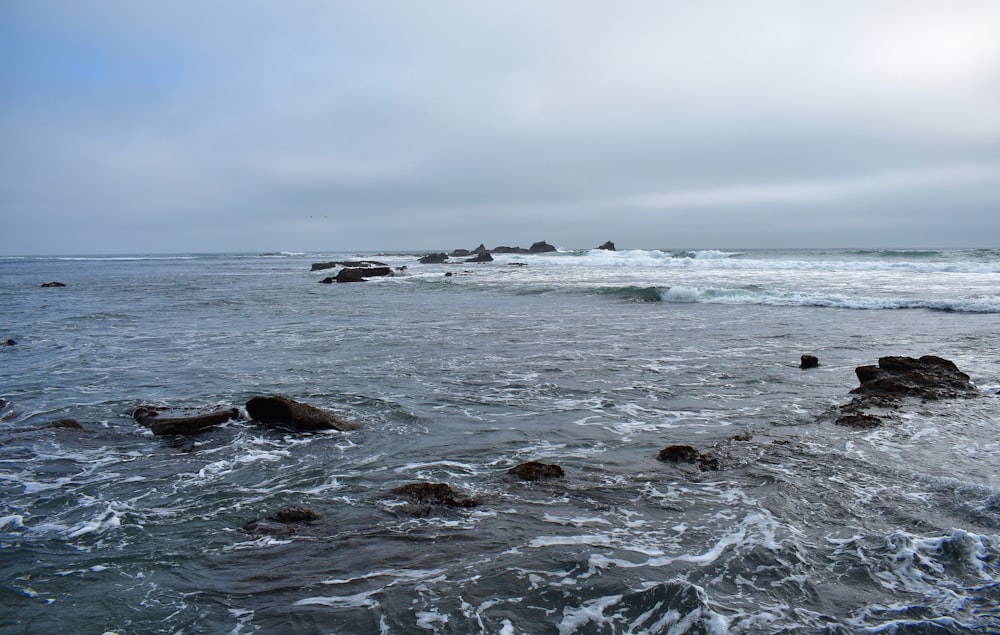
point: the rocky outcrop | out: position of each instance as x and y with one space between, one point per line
608 246
808 361
536 471
541 247
687 454
283 412
483 256
319 266
885 387
928 377
434 259
186 421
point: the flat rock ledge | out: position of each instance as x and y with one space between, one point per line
184 421
283 412
885 386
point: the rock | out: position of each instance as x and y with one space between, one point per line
687 454
283 522
163 421
480 249
483 256
860 420
503 249
434 494
65 424
808 361
608 246
541 247
461 253
53 284
928 377
319 266
434 259
9 343
535 471
358 274
284 412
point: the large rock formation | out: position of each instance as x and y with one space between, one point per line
608 246
358 274
541 247
284 412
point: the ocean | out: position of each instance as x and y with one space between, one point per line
591 360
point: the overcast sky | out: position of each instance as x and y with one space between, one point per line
314 125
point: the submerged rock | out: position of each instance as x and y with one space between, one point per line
53 284
808 361
287 413
434 494
687 454
164 421
283 522
535 471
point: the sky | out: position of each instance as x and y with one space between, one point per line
323 125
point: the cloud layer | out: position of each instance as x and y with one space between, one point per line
259 126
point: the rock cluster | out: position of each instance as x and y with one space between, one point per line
273 411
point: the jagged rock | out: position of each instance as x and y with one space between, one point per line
808 361
53 284
534 471
483 256
284 412
860 420
480 249
434 494
608 246
163 421
687 454
929 377
434 259
541 247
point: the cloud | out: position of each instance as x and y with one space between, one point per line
406 125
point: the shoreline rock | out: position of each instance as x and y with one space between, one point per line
705 461
536 471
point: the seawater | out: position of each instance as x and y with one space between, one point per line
589 359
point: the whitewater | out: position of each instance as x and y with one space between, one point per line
593 360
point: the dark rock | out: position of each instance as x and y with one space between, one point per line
163 421
328 280
608 246
808 361
434 494
687 454
284 523
860 420
53 284
541 247
9 343
360 274
534 471
928 377
502 249
483 256
65 424
480 249
319 266
295 514
434 259
462 253
284 412
448 274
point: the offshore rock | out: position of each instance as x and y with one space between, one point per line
284 412
808 361
536 471
434 259
319 266
608 246
53 284
163 421
928 377
483 256
687 454
541 247
65 424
